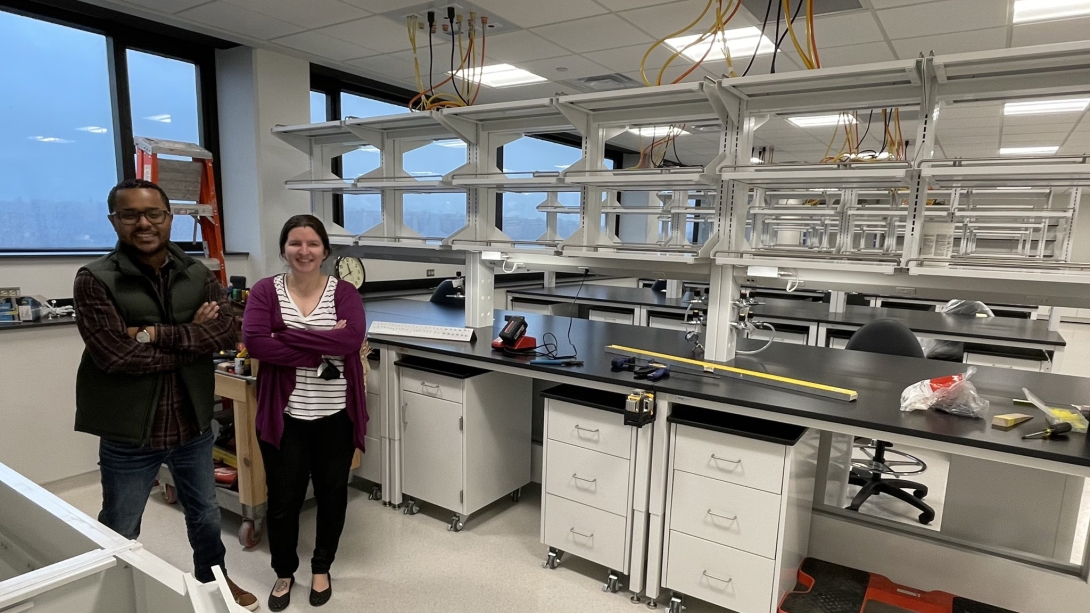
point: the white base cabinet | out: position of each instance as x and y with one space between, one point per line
465 436
739 495
594 476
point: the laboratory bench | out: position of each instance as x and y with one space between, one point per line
619 482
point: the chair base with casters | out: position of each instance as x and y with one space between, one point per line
872 477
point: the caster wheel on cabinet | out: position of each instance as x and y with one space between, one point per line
170 495
455 525
412 507
249 534
376 493
675 605
516 495
553 559
612 584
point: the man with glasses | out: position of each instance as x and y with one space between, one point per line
151 317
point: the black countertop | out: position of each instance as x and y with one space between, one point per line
878 379
636 296
992 328
28 325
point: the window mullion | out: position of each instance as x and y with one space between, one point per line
121 106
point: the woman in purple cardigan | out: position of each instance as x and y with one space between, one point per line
306 328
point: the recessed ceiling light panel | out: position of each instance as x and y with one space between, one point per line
498 75
817 121
741 42
1026 11
1028 150
1038 107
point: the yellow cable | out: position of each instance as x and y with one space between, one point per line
812 44
836 130
794 40
677 53
657 43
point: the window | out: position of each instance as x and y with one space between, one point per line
359 106
318 111
67 124
57 156
163 98
521 220
363 211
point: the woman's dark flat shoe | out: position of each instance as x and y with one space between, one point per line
318 599
279 603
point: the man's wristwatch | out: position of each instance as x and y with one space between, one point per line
143 336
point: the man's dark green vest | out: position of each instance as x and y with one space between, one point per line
121 406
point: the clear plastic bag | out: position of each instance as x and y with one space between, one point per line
953 351
954 394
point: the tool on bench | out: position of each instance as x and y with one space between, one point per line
653 372
1050 432
557 361
513 335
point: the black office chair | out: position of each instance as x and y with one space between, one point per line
890 338
449 293
659 285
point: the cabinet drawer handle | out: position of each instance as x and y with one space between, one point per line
719 459
728 580
592 431
426 387
726 517
578 478
586 536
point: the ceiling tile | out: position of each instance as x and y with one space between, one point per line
885 4
975 40
577 67
1059 31
531 14
381 6
1045 121
1065 128
381 34
622 5
238 20
854 54
309 14
971 111
166 6
844 29
387 65
627 59
515 47
944 17
593 34
964 141
666 19
324 46
1024 140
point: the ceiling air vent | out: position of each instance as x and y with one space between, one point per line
604 82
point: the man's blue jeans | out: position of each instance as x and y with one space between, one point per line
128 473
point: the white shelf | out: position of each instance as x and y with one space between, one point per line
826 262
1013 172
813 176
374 185
657 179
537 182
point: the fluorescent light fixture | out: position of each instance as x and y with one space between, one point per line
164 118
49 139
817 121
1028 150
1014 189
740 42
92 129
1035 107
658 131
1026 11
498 75
756 161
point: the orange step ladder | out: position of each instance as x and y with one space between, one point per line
191 185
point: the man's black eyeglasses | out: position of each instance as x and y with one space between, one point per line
155 216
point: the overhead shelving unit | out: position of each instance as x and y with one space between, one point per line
857 220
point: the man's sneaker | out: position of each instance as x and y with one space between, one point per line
244 599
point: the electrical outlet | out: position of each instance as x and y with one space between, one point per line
906 291
431 272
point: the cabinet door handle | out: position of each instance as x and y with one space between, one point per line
578 478
592 431
404 413
586 536
719 459
726 517
727 580
425 387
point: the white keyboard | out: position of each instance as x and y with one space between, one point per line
443 333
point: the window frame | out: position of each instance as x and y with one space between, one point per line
333 82
122 33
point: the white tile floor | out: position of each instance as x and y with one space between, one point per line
391 562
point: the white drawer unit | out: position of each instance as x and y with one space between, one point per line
780 336
584 531
526 306
465 436
613 317
1003 361
739 497
589 477
735 459
373 462
589 428
595 480
670 323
